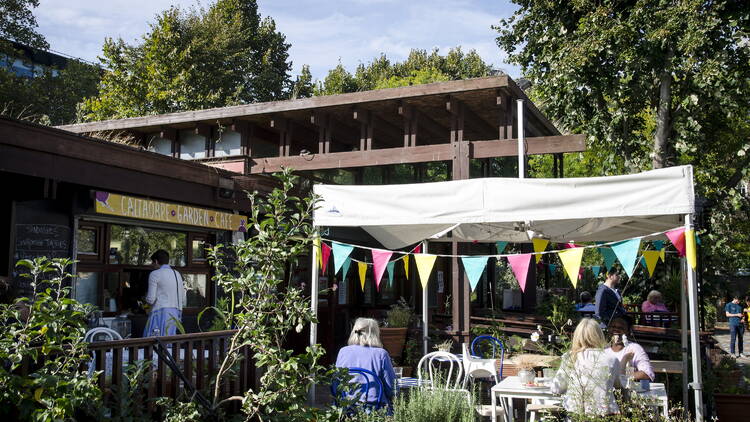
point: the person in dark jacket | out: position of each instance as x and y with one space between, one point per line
608 299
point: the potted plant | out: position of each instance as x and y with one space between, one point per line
445 346
732 391
393 335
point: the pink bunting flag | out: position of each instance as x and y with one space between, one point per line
418 249
677 237
379 263
519 263
325 253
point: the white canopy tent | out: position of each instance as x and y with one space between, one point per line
514 210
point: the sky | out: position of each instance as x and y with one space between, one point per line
321 32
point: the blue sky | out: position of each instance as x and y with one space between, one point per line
321 32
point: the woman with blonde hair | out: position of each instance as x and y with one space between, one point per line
587 374
365 350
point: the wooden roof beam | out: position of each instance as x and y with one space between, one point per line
341 133
433 128
391 135
472 121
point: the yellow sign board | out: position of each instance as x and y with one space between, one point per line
147 209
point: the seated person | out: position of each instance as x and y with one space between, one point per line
365 350
625 350
588 376
654 303
587 304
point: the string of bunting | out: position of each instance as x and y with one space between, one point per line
624 251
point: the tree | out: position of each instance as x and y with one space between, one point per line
194 59
419 68
19 24
303 86
652 83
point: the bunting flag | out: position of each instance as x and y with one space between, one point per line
345 270
362 271
627 253
406 266
539 246
520 265
500 247
474 267
651 258
325 253
571 260
596 270
690 248
424 263
658 244
341 253
391 267
677 237
418 248
552 268
380 259
663 254
316 245
609 257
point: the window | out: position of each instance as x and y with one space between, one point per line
198 245
192 145
133 245
87 241
230 143
195 289
86 287
160 145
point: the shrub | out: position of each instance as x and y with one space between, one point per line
426 405
400 314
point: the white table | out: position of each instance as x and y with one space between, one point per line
511 388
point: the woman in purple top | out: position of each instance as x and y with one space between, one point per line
365 350
654 303
625 350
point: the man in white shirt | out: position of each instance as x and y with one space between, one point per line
166 295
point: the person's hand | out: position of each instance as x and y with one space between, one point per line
628 357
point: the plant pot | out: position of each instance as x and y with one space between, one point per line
393 341
732 407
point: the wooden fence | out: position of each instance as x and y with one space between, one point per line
198 356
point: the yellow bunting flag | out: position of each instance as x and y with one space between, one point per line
424 267
539 246
690 254
362 271
663 254
319 251
651 257
406 266
571 260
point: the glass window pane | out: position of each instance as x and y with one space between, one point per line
87 288
195 287
160 146
87 241
192 145
230 143
199 250
133 245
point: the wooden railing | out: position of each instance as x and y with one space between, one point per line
198 356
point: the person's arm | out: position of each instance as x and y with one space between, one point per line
642 364
560 382
151 293
388 376
599 302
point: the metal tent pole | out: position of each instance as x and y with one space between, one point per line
314 307
425 327
684 332
694 333
521 141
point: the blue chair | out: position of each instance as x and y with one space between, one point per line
483 343
360 393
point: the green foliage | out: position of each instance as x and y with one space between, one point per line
633 408
19 24
419 68
266 308
430 405
400 314
47 334
129 397
194 59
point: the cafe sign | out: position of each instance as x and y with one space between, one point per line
147 209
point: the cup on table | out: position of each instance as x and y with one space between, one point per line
645 385
399 372
549 373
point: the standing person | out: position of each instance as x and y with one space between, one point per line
588 375
365 350
747 312
166 295
608 299
733 311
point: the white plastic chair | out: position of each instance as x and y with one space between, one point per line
478 368
101 334
453 381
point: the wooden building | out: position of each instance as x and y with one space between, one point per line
433 132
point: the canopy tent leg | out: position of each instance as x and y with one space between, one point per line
314 308
684 333
695 345
425 298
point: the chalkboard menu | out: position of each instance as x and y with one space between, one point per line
40 230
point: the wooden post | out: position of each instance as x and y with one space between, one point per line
285 127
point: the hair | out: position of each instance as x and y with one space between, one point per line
588 335
652 294
365 333
585 297
612 271
626 320
161 256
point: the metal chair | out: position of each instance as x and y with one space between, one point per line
479 345
453 381
101 334
360 394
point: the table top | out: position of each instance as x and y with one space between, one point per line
513 386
